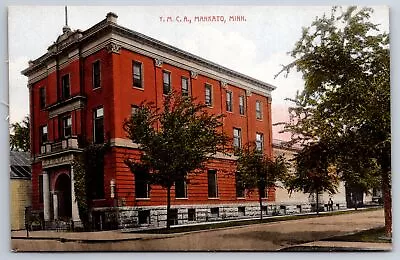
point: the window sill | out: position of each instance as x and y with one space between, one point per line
94 89
141 89
181 198
260 120
240 198
230 112
142 198
214 198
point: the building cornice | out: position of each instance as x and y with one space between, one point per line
135 41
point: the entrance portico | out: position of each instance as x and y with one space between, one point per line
59 201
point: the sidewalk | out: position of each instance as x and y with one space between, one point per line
126 235
339 246
287 235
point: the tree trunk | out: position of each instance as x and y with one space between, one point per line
387 201
317 200
168 206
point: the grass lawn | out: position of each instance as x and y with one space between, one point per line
242 223
373 235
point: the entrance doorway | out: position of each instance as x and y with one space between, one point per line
64 202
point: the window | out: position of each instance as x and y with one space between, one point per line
137 74
142 187
237 138
40 188
134 109
180 189
66 88
239 188
98 179
43 134
67 126
42 94
191 214
96 74
98 120
185 86
212 184
258 110
166 82
264 193
208 97
214 212
173 217
241 105
144 216
259 142
241 211
229 101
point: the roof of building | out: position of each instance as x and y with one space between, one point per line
286 145
20 165
70 38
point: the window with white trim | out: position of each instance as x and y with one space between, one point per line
229 97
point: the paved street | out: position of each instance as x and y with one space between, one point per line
259 237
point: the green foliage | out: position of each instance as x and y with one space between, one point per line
314 171
174 141
20 136
257 171
87 165
345 105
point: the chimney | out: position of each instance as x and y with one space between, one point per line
112 17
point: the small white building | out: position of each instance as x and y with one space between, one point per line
298 202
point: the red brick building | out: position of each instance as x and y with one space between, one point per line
89 81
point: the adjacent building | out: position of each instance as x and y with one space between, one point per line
84 87
20 188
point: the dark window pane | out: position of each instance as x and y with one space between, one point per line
144 216
185 87
43 134
258 110
137 74
259 142
65 87
98 180
96 74
237 138
239 188
191 214
42 93
180 189
229 101
241 105
67 127
212 184
141 185
99 126
208 95
166 82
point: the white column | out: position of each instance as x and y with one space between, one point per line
46 196
74 202
55 205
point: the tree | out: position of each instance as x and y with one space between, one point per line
174 142
314 172
87 166
257 171
345 104
20 136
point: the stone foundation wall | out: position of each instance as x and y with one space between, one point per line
156 216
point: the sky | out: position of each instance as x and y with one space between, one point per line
256 47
